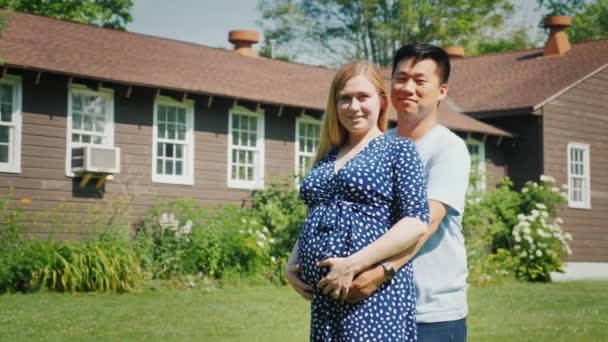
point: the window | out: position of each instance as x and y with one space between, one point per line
90 119
478 167
173 141
578 176
308 133
10 124
245 148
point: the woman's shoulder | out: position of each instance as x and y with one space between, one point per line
397 143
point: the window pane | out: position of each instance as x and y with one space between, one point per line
244 123
242 139
3 154
242 157
171 131
160 149
159 166
171 114
169 150
76 103
77 121
235 138
88 123
75 137
162 113
181 116
252 139
4 134
181 132
7 112
100 124
162 131
233 174
168 167
242 172
235 122
86 138
97 140
250 173
6 93
178 151
178 168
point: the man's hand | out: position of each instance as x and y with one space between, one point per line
293 279
365 284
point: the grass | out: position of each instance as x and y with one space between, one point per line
575 311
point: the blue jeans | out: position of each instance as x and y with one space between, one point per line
450 331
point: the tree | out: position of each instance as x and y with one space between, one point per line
338 30
515 39
105 13
589 18
591 22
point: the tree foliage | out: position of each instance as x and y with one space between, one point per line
591 22
105 13
589 17
338 30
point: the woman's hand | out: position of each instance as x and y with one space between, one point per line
292 276
337 282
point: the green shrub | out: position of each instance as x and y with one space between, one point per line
103 264
523 224
180 237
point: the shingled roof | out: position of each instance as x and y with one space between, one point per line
52 45
521 79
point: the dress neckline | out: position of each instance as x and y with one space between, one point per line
334 154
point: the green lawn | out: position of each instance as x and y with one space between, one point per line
576 311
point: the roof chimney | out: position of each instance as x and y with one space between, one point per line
558 43
454 51
243 40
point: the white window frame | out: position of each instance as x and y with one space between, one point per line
258 177
481 155
586 201
106 93
15 127
188 177
303 119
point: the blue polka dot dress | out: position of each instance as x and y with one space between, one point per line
347 211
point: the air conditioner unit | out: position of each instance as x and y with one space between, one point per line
96 159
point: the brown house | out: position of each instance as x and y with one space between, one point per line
213 124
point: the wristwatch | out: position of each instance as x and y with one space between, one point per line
389 271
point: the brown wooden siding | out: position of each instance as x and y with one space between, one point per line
43 155
581 115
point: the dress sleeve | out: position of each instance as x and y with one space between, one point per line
409 181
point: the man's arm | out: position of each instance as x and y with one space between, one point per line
368 281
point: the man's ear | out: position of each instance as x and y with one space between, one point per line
443 91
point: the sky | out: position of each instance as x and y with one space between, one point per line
207 22
204 22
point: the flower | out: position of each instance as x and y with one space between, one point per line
539 253
555 189
565 186
547 179
568 236
559 220
540 206
521 217
25 200
260 243
524 190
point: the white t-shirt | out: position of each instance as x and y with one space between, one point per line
440 267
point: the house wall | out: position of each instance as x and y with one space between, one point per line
43 152
581 115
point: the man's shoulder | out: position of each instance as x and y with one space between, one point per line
444 143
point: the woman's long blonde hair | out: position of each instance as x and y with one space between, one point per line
333 134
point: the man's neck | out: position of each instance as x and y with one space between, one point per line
415 130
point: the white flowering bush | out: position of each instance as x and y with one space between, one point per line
511 233
540 244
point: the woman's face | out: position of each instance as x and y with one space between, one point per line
358 105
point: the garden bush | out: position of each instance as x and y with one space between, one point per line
515 233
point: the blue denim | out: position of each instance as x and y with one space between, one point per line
450 331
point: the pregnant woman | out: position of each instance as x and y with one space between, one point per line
367 201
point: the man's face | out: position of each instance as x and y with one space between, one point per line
416 89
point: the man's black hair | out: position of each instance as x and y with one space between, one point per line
421 52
